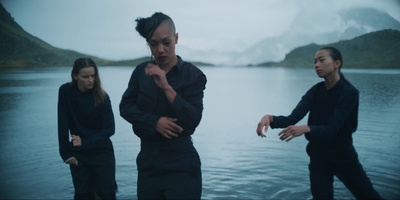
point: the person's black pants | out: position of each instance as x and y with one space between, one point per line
351 174
94 174
169 185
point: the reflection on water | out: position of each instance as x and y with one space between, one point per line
236 163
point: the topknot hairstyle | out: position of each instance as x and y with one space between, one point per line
146 26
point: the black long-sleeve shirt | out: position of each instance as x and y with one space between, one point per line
332 119
78 115
143 103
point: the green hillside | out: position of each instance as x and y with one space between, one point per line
380 49
21 49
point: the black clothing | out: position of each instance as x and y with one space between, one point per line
95 172
78 115
351 174
143 103
168 185
332 120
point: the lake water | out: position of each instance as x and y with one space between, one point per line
236 164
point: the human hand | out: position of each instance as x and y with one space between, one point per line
76 141
72 161
158 75
167 127
293 131
263 124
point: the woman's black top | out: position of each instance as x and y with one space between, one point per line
78 115
143 103
333 117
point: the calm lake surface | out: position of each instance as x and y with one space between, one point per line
236 164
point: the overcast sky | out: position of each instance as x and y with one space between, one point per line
106 28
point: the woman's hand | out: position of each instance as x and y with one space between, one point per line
266 120
158 75
293 131
76 141
72 161
167 127
161 81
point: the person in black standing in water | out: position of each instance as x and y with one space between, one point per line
164 104
333 118
84 111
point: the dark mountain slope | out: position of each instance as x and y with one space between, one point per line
379 49
20 49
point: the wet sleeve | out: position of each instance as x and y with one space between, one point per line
63 125
130 111
298 113
189 106
105 130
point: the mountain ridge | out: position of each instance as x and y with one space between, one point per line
378 49
21 49
351 23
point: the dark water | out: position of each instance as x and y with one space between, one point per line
236 163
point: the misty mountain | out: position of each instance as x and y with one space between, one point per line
21 49
379 49
347 24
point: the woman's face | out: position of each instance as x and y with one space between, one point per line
324 65
85 78
162 45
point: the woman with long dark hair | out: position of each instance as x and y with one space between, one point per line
85 115
333 116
